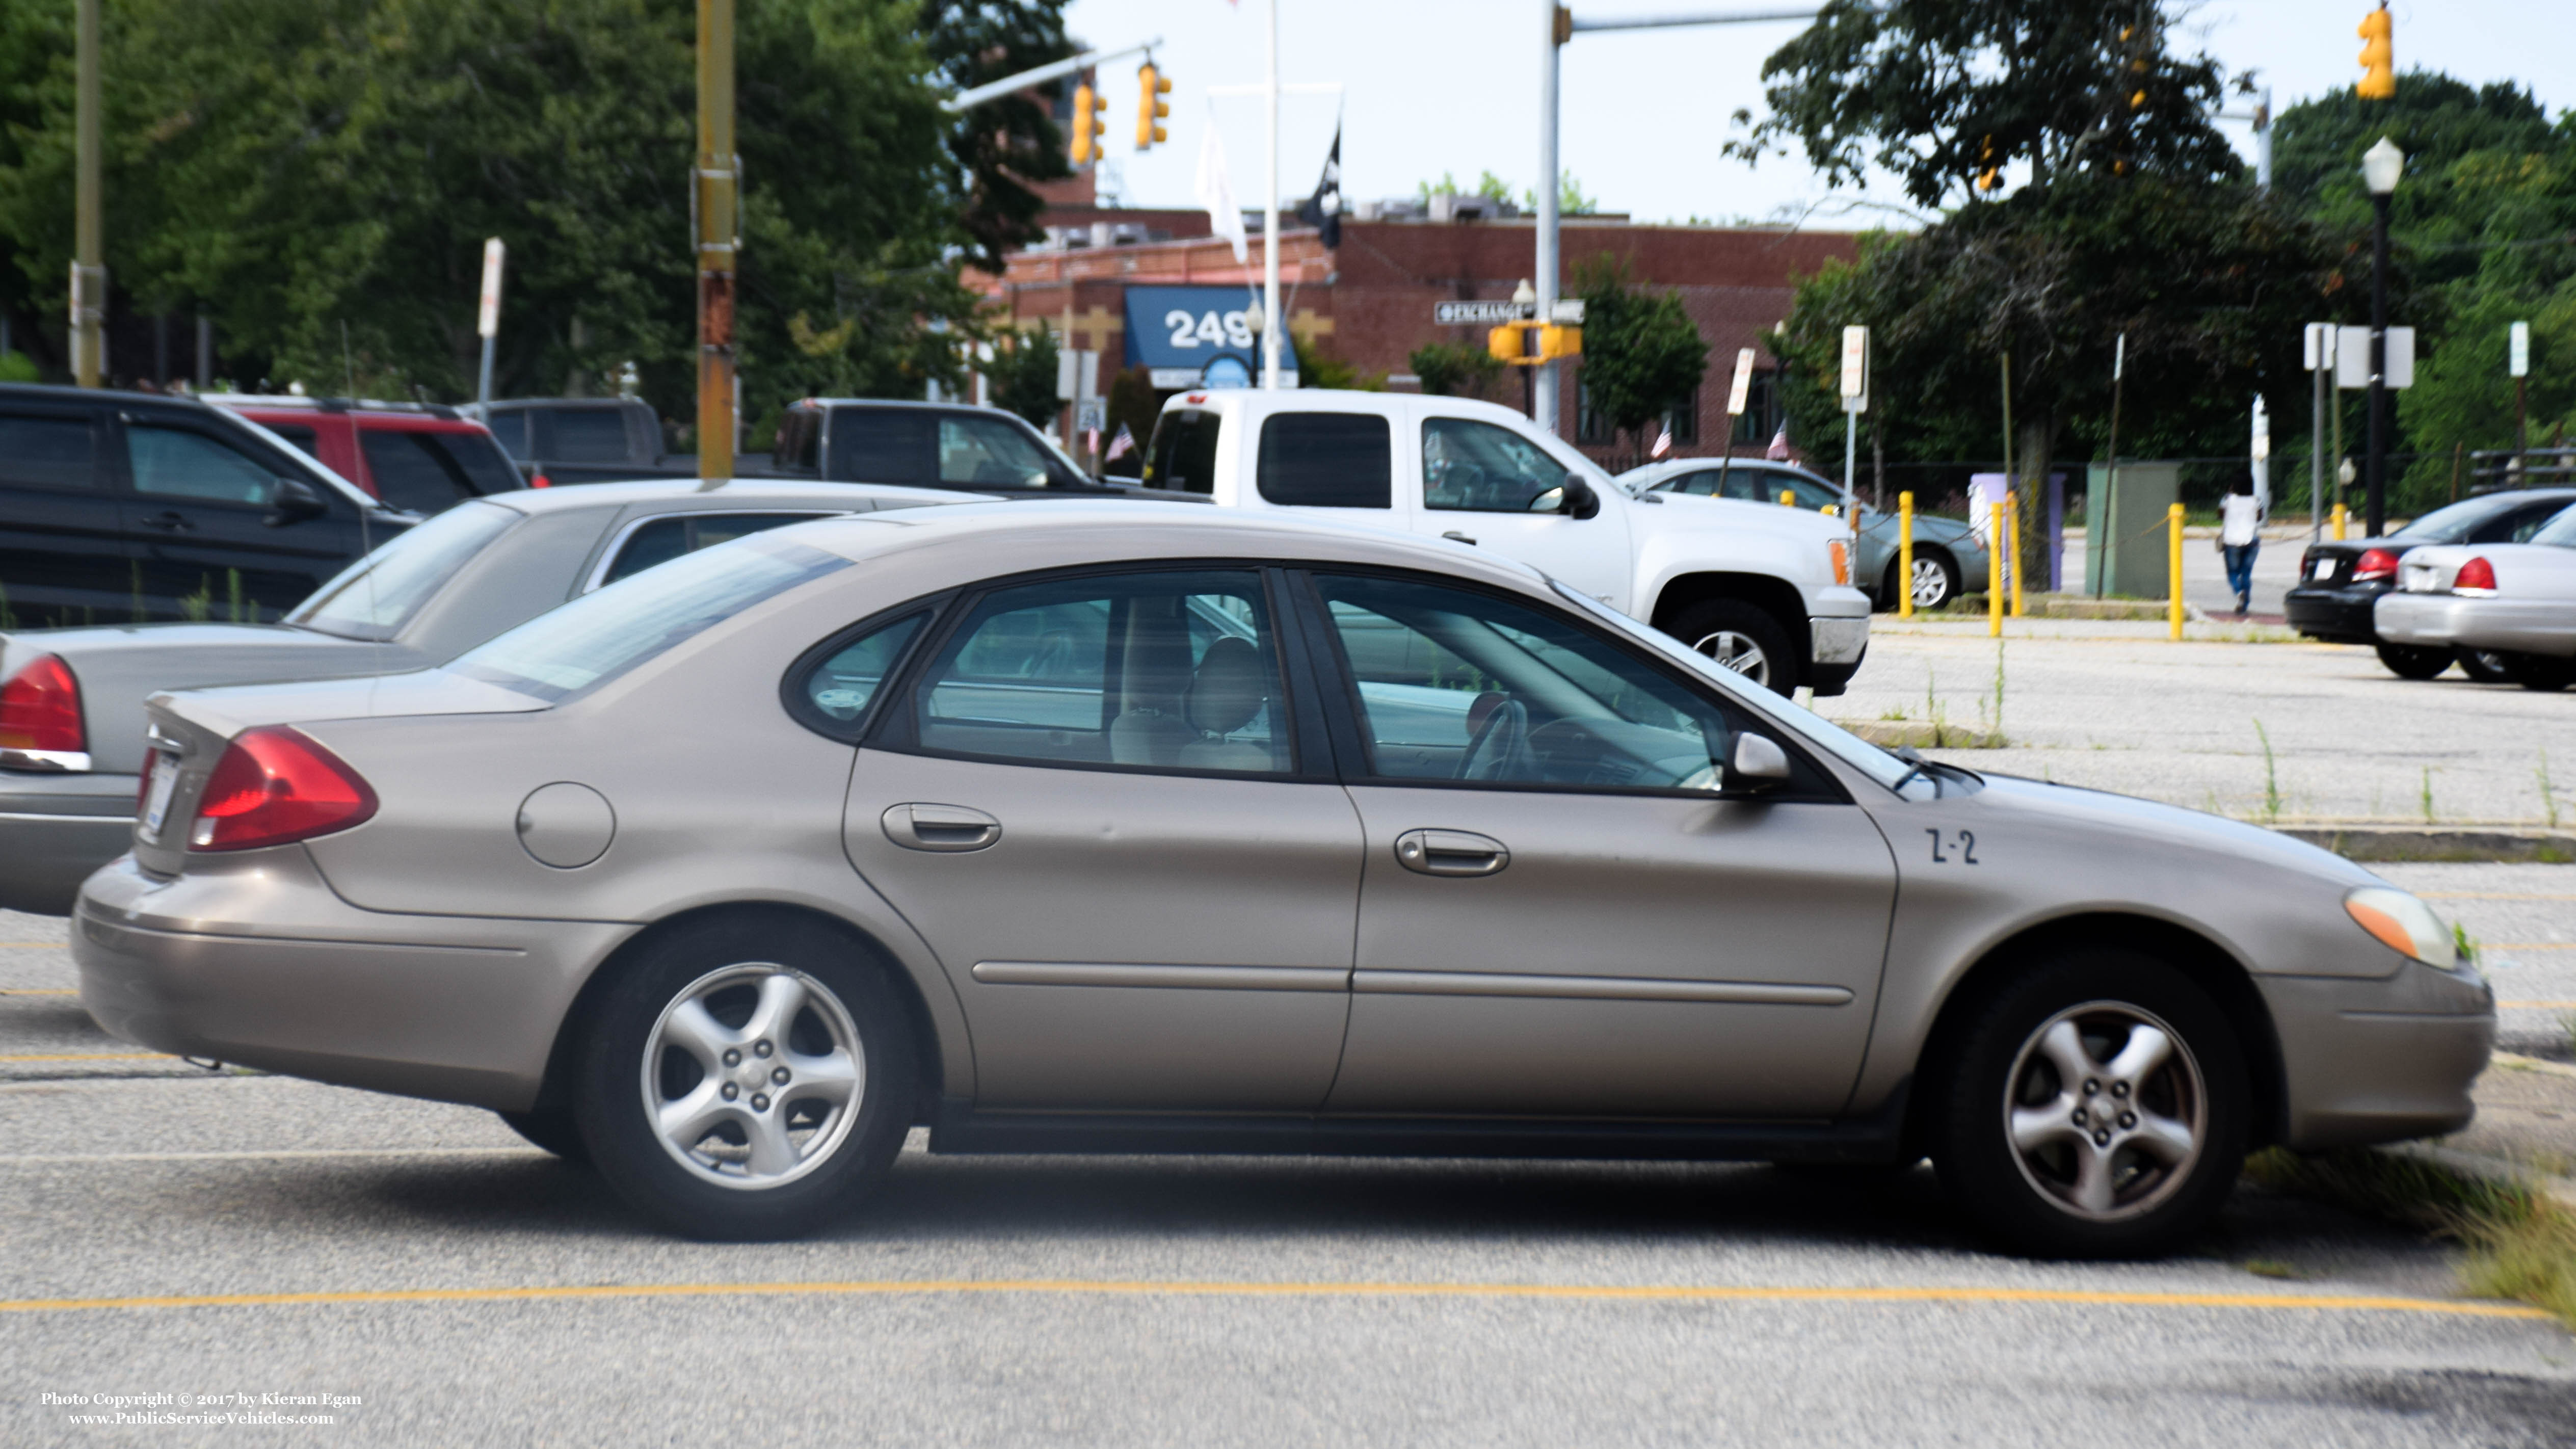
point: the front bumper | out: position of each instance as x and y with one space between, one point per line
1836 647
2513 626
57 828
2385 1060
253 960
2338 616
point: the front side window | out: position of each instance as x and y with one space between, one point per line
987 452
2520 525
660 540
1327 460
602 635
181 463
374 597
1457 685
1473 467
880 445
1169 670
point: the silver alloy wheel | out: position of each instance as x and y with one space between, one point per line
753 1075
1738 652
1931 583
2106 1110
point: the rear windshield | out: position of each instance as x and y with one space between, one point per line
2452 523
2559 531
374 597
600 636
428 472
591 435
1183 455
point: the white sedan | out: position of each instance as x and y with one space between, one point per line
2516 601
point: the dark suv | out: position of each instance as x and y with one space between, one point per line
123 507
2340 580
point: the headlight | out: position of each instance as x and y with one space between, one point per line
2403 924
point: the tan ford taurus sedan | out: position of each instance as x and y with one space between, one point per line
1067 828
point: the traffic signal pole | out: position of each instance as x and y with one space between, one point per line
716 198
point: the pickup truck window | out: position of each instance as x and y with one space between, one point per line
1327 460
1183 455
988 452
1472 467
881 445
591 435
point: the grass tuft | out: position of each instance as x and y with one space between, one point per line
2519 1244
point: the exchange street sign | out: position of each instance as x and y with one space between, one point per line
1478 314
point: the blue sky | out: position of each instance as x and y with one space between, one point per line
1439 86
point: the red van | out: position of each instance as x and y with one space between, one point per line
416 456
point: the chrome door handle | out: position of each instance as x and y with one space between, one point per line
917 825
1460 537
1450 852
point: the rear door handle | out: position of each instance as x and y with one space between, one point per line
918 825
1450 852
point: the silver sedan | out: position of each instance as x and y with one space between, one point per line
1058 828
2512 602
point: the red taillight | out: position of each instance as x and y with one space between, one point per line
273 786
40 709
2477 576
541 481
2375 563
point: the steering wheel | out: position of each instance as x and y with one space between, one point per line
1500 750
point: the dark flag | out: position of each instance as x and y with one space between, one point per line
1323 210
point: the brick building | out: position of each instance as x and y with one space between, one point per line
1152 288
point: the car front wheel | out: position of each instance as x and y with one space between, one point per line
2413 661
2095 1107
1743 637
746 1085
1936 581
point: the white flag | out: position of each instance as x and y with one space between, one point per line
1216 193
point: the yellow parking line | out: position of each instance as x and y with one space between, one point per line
97 1057
2488 896
39 991
2536 1005
1099 1288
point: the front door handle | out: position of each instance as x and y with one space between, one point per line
918 825
168 522
1459 537
1450 852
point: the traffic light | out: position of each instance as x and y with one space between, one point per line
2378 57
1151 86
1527 344
1090 120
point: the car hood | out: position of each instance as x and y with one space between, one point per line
118 667
1689 513
2522 570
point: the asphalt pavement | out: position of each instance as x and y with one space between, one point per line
175 1231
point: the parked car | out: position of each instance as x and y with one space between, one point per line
71 700
589 440
1061 828
2515 602
2342 580
929 445
123 507
1949 556
1764 590
422 457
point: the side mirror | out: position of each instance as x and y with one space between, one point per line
1756 764
294 501
1580 500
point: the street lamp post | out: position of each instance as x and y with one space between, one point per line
2380 167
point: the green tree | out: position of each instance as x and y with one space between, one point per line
1456 369
1005 143
1641 353
1022 375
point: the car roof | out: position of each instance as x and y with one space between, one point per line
691 493
981 410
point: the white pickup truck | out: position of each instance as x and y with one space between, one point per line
1763 589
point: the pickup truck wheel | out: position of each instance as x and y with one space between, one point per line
2414 661
1936 581
1742 637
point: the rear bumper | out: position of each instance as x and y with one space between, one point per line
2338 616
2378 1061
256 962
54 830
2513 626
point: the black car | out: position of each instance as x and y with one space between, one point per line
121 507
2339 580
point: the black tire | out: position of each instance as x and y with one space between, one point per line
1730 630
2483 665
852 1010
2546 673
551 1128
2029 1202
2414 661
1933 568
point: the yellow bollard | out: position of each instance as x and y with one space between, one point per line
2173 567
2339 516
1788 498
1905 555
1995 571
2012 551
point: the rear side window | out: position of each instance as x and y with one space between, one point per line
1183 455
37 451
661 540
590 435
2518 525
839 688
882 445
432 472
1327 460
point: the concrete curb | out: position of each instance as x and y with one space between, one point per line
2432 843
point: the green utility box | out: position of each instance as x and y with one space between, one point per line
2125 537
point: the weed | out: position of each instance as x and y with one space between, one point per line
2520 1244
1998 722
1893 712
232 584
2271 776
2428 794
2548 795
194 607
2463 943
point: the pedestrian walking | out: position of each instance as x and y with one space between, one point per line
2240 536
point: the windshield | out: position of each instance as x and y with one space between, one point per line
602 635
373 598
1851 749
2559 531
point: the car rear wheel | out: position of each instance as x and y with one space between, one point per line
2414 661
1742 637
746 1088
2483 665
2095 1107
2544 672
1936 580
